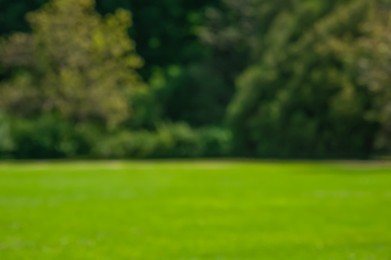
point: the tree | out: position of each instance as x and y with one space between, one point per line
371 59
301 99
164 30
75 63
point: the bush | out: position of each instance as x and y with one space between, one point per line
50 136
217 142
43 137
168 141
6 142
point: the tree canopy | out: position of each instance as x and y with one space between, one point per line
266 79
68 65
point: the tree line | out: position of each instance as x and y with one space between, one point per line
147 79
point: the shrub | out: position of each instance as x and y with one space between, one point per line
168 141
6 142
51 136
217 142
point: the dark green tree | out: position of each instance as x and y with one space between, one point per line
371 59
301 99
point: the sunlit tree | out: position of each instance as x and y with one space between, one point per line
75 63
372 61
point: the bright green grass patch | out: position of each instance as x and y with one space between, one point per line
195 210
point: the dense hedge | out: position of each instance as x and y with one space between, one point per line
52 137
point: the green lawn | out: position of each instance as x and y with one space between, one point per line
195 210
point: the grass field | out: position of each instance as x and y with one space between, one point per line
195 210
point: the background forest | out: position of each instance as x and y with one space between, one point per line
205 78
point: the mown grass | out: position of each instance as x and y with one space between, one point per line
195 210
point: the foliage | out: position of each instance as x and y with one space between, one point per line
165 30
305 102
73 68
44 137
231 30
6 141
372 62
280 79
185 95
51 136
168 141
